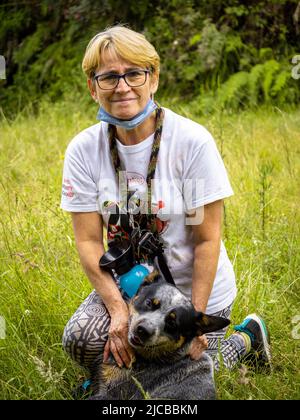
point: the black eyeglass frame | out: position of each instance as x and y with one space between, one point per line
121 76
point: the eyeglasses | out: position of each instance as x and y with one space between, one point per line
133 78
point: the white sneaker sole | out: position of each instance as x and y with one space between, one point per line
264 334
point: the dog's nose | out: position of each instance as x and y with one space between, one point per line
143 332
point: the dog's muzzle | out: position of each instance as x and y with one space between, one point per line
139 336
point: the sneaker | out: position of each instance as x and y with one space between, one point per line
82 391
260 352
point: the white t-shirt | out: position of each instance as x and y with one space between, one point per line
189 173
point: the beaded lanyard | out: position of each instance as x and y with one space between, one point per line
144 221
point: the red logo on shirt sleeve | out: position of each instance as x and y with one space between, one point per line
67 189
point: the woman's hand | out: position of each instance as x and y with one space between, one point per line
198 345
117 342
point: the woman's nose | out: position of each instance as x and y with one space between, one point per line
122 86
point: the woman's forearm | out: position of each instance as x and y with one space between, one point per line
206 256
90 252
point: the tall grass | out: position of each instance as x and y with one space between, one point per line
42 283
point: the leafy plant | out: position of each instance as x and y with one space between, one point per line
202 45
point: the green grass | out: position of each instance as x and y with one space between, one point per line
42 283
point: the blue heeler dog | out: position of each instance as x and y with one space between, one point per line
162 325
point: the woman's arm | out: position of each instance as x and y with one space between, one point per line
88 231
207 240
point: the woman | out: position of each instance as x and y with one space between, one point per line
145 141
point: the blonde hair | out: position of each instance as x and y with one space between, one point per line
126 43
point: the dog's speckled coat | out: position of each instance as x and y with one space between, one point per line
162 325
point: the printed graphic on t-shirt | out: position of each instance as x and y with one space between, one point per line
120 225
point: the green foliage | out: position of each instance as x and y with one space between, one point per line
256 74
202 45
271 68
267 83
234 91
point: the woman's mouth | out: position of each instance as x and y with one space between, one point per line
123 100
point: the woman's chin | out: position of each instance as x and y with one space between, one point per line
125 115
125 111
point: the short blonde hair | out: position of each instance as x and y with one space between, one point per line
126 43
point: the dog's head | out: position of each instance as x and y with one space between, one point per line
162 320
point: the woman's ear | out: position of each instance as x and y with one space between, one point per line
92 90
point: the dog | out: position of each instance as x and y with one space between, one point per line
162 325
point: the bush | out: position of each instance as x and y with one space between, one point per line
211 48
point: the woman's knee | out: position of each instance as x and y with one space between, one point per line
85 334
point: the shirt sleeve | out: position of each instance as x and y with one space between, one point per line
205 177
79 190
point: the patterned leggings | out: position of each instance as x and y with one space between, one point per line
86 333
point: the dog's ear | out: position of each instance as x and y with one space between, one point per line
209 323
152 278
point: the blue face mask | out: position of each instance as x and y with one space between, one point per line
128 124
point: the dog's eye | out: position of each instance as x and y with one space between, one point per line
171 320
148 303
152 303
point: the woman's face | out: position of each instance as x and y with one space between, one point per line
123 102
